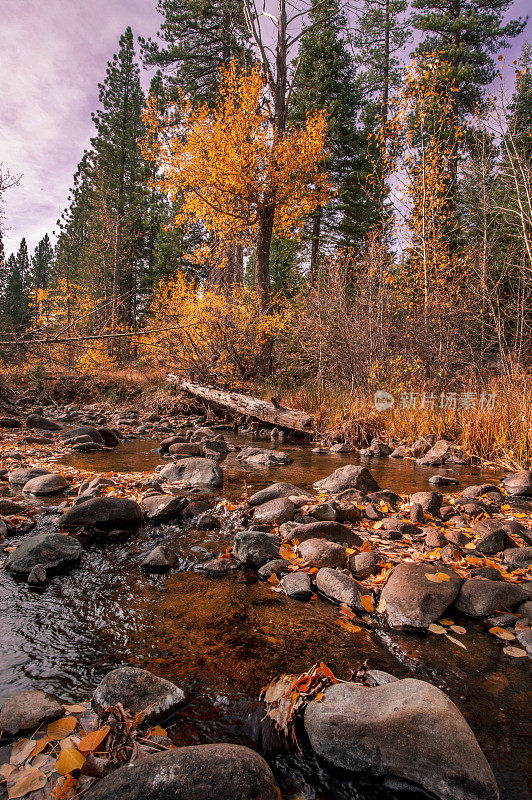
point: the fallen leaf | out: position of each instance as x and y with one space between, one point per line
319 697
40 744
66 789
501 633
443 576
158 731
515 652
433 628
273 580
21 751
381 606
366 603
69 760
5 771
328 673
456 641
348 626
446 622
22 782
76 708
458 629
470 546
432 577
61 727
93 740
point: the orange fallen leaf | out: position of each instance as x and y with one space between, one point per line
319 697
432 577
69 760
93 740
348 626
443 576
39 746
515 652
327 672
501 633
22 782
366 603
61 727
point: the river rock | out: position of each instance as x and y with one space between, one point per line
430 502
517 557
137 689
200 772
323 512
83 431
275 491
501 528
163 507
42 423
46 484
398 526
443 480
423 445
52 550
8 507
186 449
277 566
274 512
27 710
297 585
407 729
104 513
218 567
263 458
167 443
480 598
160 559
340 587
414 601
477 490
443 452
322 553
363 565
194 472
519 484
399 452
21 476
333 531
254 548
348 477
10 422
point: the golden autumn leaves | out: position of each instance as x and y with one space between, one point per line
226 163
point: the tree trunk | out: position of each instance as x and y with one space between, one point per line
315 248
262 260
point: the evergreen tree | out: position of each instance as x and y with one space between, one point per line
197 38
3 269
326 80
41 263
16 305
521 106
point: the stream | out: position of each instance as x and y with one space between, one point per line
222 639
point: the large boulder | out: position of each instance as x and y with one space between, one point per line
321 553
334 531
104 513
519 484
480 598
348 477
42 423
254 548
340 587
404 729
275 491
194 472
413 600
200 772
274 512
517 557
88 431
51 550
46 484
27 710
263 458
163 507
495 533
138 690
21 476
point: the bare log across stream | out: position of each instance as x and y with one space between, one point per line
250 406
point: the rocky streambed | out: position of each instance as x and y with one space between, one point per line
220 560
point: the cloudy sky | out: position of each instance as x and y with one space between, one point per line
52 55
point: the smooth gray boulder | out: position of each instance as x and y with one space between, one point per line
405 729
83 431
263 458
104 513
26 710
138 690
413 600
517 557
46 484
42 423
194 472
430 502
255 548
297 585
348 477
321 553
275 491
21 476
51 550
200 772
274 512
340 587
519 484
163 507
480 598
333 531
362 565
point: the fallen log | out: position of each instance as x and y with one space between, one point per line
262 410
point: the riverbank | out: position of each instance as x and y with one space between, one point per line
220 621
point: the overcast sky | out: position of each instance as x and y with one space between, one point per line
52 55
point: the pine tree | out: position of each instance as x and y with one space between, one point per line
197 39
16 305
326 80
41 263
3 269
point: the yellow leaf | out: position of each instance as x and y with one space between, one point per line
470 546
61 727
69 760
443 576
431 577
433 628
366 603
348 626
515 652
93 740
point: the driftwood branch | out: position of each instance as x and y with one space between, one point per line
250 406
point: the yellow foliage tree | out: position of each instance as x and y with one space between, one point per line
233 170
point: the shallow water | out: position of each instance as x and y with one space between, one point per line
221 640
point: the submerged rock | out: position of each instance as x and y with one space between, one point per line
163 507
27 710
138 690
254 548
340 587
50 550
200 772
105 513
407 729
160 559
297 585
194 472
